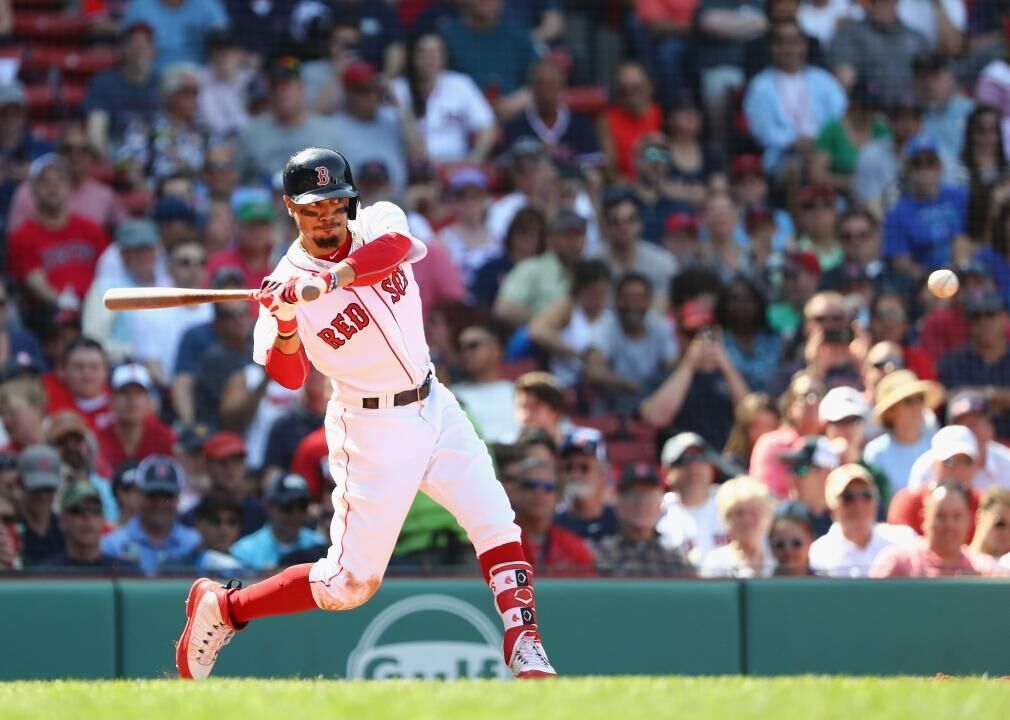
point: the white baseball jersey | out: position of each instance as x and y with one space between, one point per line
368 340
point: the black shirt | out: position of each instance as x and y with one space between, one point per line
964 366
103 564
286 433
254 516
707 410
595 529
39 547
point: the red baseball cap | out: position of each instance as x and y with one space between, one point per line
222 445
802 260
748 164
681 222
812 193
359 74
695 315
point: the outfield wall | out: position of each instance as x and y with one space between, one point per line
446 628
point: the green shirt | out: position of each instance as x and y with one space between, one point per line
834 141
783 318
536 282
829 258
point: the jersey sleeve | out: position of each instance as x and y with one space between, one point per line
383 218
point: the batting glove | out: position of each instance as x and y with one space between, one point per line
271 296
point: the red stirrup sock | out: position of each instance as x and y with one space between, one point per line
511 580
285 593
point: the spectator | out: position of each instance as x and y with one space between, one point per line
250 403
467 238
157 334
311 462
224 84
43 275
634 351
188 452
798 407
880 48
226 467
10 532
694 164
526 237
858 235
971 409
947 110
790 537
817 223
323 78
295 424
889 323
540 404
17 345
135 432
808 467
633 116
137 242
127 493
533 176
81 385
855 538
371 130
701 392
22 408
789 103
992 522
218 518
586 509
181 26
154 539
229 352
690 519
754 416
252 253
285 531
81 522
174 142
680 237
661 32
89 198
566 134
822 18
755 351
485 392
745 508
265 144
984 362
69 434
843 413
19 145
954 451
985 162
502 74
841 139
549 548
454 118
39 468
722 252
381 40
801 275
652 191
536 282
946 327
636 548
942 551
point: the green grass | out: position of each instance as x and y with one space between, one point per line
623 698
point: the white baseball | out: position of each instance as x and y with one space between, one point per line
309 288
943 283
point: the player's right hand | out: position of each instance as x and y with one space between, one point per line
270 298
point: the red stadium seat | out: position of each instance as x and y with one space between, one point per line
589 99
512 370
72 61
49 26
609 425
621 452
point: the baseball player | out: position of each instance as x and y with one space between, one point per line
392 428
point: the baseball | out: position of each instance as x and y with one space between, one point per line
943 283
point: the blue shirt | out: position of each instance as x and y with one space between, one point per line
131 543
262 551
193 345
758 367
924 229
999 269
505 69
179 31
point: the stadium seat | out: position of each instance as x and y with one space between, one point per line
49 26
589 99
609 425
72 61
513 369
621 452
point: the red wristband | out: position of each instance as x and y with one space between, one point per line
286 327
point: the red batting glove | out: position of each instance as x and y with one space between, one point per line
271 296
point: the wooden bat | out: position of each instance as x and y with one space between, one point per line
162 297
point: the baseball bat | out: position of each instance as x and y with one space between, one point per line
162 297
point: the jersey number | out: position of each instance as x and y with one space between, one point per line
395 284
342 324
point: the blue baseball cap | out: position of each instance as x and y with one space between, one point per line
921 144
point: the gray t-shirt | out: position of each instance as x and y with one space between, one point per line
883 56
264 146
645 359
380 139
656 263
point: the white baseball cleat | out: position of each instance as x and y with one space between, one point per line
208 629
529 660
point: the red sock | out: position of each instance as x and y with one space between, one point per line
511 580
285 593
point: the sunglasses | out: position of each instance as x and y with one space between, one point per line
582 467
850 496
780 545
545 485
893 363
470 345
190 262
81 510
690 458
958 461
835 319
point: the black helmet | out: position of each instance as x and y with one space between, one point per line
315 174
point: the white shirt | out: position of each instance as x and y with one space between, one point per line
580 334
835 555
221 106
724 562
368 340
995 472
920 15
491 405
697 529
821 22
157 333
454 110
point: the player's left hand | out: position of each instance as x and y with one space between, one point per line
272 297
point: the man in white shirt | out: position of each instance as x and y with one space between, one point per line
486 396
855 538
690 517
971 409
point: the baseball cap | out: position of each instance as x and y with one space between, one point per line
286 67
921 144
746 164
816 451
695 315
468 177
254 210
124 477
23 364
681 222
131 374
287 489
192 438
44 162
842 402
801 260
576 443
984 300
953 440
39 467
638 474
843 476
159 474
136 233
63 423
966 403
566 220
228 275
224 444
359 74
78 492
675 449
170 207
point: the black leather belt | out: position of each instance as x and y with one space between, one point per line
402 398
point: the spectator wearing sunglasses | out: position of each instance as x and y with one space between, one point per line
992 524
285 532
82 523
947 515
855 537
954 454
39 468
860 239
889 322
690 519
809 466
218 519
586 509
790 537
548 547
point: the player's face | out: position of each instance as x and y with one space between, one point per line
323 223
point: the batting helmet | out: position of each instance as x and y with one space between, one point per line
315 174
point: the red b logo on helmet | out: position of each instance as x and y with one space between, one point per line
322 175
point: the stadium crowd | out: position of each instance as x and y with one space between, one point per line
676 268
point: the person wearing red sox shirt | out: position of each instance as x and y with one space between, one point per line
135 432
80 384
392 428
